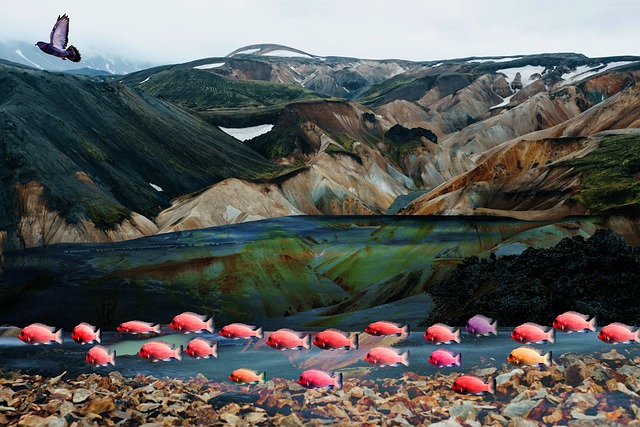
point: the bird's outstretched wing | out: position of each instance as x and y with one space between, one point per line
60 32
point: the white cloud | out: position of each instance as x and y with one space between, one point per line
166 31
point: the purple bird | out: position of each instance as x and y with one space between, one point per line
57 46
480 325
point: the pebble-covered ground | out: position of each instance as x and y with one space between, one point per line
576 391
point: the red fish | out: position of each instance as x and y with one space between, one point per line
382 328
100 356
85 333
247 376
286 339
314 378
138 327
240 331
333 339
37 333
188 322
442 334
616 333
470 384
159 350
529 333
572 321
200 348
446 358
386 356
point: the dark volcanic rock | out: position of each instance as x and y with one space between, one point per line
401 134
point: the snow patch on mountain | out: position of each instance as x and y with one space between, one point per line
244 134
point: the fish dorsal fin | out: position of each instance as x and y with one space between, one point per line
575 313
483 379
42 325
447 327
166 344
527 348
337 331
485 318
291 331
199 316
622 325
535 325
324 371
207 342
253 328
449 352
87 325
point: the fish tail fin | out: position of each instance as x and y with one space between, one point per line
592 324
113 358
405 330
179 353
209 325
156 328
338 384
214 350
306 343
262 378
259 333
459 359
492 386
355 342
74 55
456 336
552 335
547 359
494 328
636 335
405 358
98 340
58 336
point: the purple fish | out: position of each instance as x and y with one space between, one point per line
57 45
480 325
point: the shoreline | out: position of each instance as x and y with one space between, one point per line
576 390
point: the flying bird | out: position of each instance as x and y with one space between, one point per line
57 46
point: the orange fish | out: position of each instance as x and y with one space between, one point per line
527 356
470 384
314 378
100 356
572 321
386 356
236 331
441 358
160 350
247 376
616 333
37 333
333 339
383 328
442 334
85 333
138 327
200 348
286 339
529 333
188 322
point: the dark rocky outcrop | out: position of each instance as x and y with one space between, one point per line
400 134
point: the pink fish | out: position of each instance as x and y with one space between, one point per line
616 333
529 333
247 376
236 331
200 348
188 322
138 327
100 356
37 333
442 334
286 339
441 358
85 333
386 356
159 350
332 339
314 378
383 328
470 384
572 321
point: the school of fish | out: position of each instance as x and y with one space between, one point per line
333 339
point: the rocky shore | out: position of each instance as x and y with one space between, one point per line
576 391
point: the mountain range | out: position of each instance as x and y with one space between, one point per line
109 158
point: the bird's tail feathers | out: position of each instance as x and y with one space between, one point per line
74 54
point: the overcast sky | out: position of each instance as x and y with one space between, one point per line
163 31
